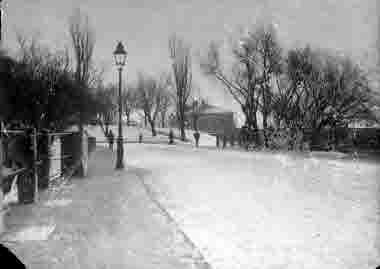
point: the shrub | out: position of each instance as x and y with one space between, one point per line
285 139
279 139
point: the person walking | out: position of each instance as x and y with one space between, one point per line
111 139
196 137
171 137
224 141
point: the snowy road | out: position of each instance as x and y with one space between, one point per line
261 210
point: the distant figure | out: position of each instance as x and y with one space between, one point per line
171 137
355 138
247 137
111 139
217 141
196 137
232 140
140 137
224 141
243 136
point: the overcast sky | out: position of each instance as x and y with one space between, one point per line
144 26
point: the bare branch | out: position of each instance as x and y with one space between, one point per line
180 55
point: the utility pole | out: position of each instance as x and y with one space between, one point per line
1 122
1 47
1 40
120 144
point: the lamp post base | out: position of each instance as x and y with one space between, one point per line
119 154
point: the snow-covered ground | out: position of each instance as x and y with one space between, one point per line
205 140
130 133
268 210
265 210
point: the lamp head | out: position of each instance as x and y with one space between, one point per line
120 55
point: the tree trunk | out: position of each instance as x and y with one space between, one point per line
182 125
81 133
183 134
128 114
163 114
250 116
316 138
251 123
265 128
153 127
335 135
195 122
251 120
107 128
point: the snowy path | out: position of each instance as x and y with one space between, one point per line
106 221
261 210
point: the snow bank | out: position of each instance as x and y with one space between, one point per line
58 203
32 233
205 139
263 210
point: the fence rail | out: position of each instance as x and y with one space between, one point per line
31 156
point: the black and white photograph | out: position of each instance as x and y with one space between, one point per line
190 134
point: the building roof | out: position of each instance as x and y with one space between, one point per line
211 109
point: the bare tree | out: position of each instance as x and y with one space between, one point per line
130 100
151 93
181 64
320 90
242 81
289 100
83 42
166 98
260 54
50 69
166 102
106 106
197 105
165 105
267 60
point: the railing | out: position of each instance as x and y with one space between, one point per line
29 156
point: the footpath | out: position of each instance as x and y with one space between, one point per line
106 220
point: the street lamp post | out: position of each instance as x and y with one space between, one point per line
120 56
1 23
